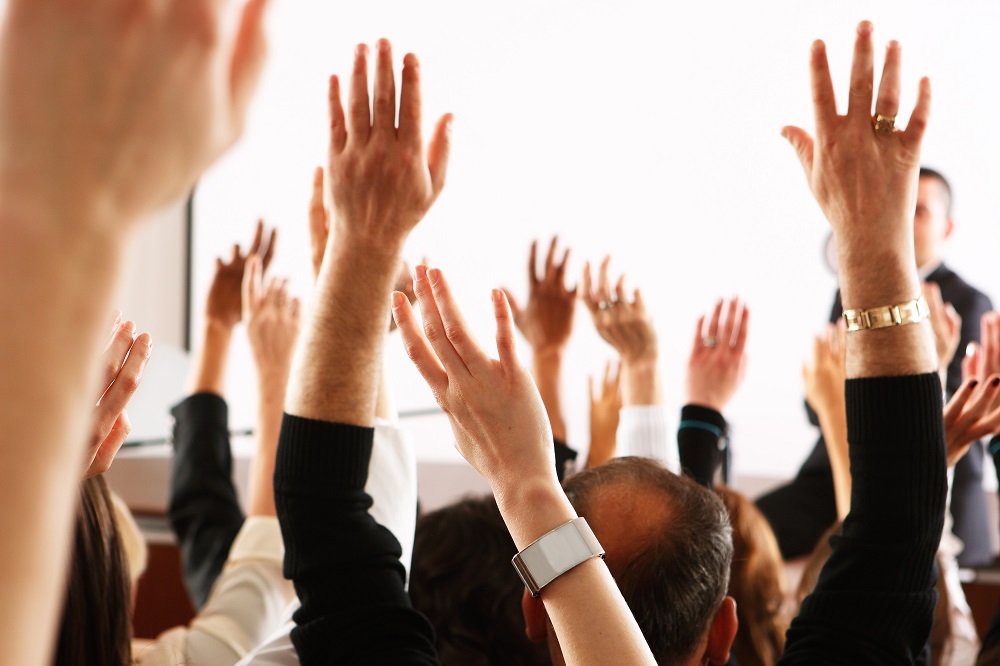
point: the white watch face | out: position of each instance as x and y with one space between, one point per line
556 553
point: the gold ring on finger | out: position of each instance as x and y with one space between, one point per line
884 123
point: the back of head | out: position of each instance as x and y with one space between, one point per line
96 623
757 583
463 582
669 548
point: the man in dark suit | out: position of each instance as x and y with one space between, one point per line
801 511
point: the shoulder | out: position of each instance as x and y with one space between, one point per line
966 298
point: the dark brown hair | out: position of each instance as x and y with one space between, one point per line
96 622
462 580
677 576
757 583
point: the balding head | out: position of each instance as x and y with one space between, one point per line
669 547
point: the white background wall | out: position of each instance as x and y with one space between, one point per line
649 131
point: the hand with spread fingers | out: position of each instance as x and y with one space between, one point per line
381 181
272 320
546 320
223 306
971 414
624 324
946 324
605 410
717 362
122 363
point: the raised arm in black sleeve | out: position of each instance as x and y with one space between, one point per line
875 599
345 566
204 509
698 437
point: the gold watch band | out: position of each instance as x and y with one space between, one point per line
911 312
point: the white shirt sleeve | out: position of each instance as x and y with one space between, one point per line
645 431
392 484
247 602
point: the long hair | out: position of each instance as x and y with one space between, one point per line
756 582
96 622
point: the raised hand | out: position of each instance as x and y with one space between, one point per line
546 320
495 411
382 183
982 359
105 124
122 362
824 379
863 173
946 324
971 414
272 320
223 306
605 412
717 362
624 324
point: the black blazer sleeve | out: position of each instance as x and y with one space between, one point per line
698 437
204 509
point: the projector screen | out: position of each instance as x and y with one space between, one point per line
647 131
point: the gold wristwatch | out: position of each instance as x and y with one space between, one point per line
911 312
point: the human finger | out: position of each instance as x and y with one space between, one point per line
713 325
742 331
887 102
607 377
455 328
803 145
533 264
603 285
514 307
108 448
971 364
977 405
249 55
859 104
384 104
258 237
729 326
434 328
272 239
251 286
359 108
550 261
957 402
620 294
917 125
590 391
588 293
824 99
338 123
439 151
699 335
115 353
506 345
318 221
561 271
416 346
410 130
127 382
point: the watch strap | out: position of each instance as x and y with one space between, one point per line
911 312
555 553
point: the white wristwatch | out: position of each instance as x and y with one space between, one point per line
555 553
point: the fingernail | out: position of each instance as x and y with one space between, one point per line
996 382
383 45
974 383
420 273
970 349
865 28
360 50
397 299
497 298
893 44
129 326
434 275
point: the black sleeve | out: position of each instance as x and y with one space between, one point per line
345 566
565 456
991 641
875 599
699 435
204 509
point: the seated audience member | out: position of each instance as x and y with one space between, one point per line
801 510
627 327
72 194
346 566
874 600
463 582
204 510
546 322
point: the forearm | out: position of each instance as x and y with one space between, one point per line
385 406
55 298
641 384
269 415
208 374
340 352
833 425
591 619
547 372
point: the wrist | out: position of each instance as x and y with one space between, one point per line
533 508
218 329
375 250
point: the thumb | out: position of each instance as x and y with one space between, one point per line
438 151
971 364
514 307
803 145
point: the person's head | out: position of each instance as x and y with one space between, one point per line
96 624
462 580
932 221
669 548
757 583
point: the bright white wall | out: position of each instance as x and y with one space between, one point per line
646 130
